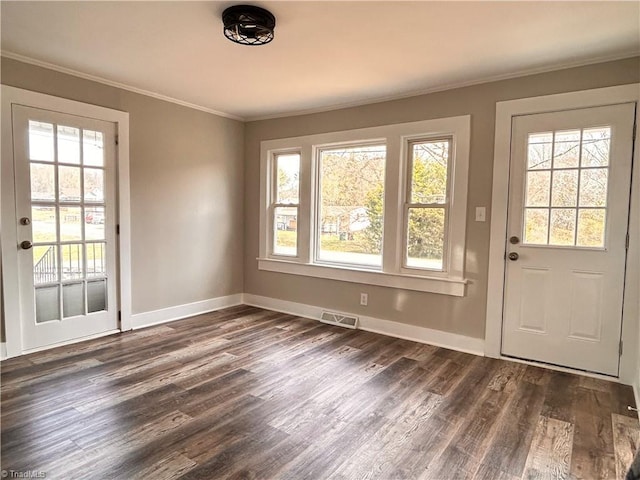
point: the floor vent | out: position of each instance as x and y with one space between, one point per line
339 319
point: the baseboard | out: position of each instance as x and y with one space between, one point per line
155 317
3 351
430 336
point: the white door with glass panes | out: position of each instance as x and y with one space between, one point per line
566 240
66 225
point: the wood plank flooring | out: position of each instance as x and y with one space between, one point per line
245 393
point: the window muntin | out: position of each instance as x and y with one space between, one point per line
285 203
427 208
68 212
393 271
566 188
350 201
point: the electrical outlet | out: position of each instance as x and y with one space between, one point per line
481 214
364 299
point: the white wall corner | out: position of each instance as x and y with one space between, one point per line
3 351
155 317
414 333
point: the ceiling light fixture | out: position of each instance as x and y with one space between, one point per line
248 25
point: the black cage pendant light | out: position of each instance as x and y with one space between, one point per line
248 25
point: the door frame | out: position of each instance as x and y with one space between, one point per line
505 111
10 305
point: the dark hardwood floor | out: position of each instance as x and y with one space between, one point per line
249 393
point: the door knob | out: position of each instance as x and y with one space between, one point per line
25 221
26 245
513 256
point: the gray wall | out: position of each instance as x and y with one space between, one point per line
186 190
465 316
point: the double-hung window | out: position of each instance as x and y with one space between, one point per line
381 206
285 204
427 205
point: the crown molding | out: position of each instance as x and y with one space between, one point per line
111 83
328 108
448 86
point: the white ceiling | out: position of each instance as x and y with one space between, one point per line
325 54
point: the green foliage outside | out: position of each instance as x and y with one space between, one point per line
331 243
426 225
354 178
44 228
581 193
372 235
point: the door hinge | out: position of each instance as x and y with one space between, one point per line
626 242
620 349
117 140
119 315
118 229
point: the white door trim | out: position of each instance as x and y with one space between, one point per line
8 233
500 197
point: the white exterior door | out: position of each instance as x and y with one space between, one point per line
66 226
566 242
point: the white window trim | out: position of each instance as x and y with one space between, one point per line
505 111
9 238
393 274
315 252
407 206
273 204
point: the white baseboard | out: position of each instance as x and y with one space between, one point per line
3 351
430 336
155 317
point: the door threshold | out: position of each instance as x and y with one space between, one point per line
560 368
68 342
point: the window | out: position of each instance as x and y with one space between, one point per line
426 209
566 194
382 206
286 203
349 228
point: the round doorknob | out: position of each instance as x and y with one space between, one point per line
26 245
513 256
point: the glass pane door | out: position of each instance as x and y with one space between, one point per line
566 190
568 218
67 175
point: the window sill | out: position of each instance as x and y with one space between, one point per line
446 286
